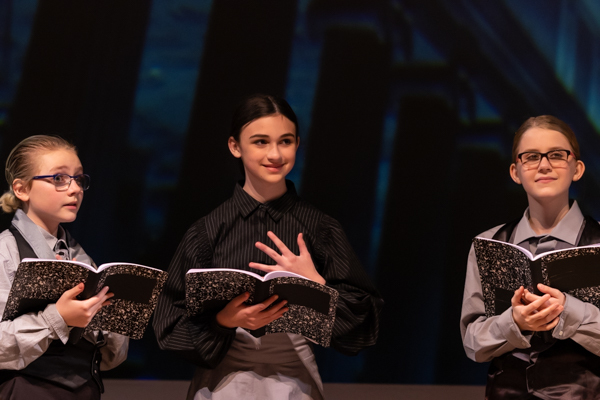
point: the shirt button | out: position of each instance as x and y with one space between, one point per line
560 333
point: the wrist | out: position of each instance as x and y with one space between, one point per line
222 321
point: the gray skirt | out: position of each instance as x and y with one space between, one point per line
277 366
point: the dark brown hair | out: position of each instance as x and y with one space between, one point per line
258 106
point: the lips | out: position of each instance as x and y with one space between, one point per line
545 179
273 167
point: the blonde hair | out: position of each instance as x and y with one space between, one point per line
21 165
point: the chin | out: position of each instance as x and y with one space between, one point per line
276 178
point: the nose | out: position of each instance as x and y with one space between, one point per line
544 164
74 187
274 153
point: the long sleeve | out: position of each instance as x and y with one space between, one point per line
486 338
114 352
580 321
27 337
200 339
357 316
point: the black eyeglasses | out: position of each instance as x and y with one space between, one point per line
556 158
63 181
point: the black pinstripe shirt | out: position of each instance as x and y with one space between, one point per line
225 238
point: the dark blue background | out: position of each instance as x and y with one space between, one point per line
407 110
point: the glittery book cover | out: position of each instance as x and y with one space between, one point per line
311 305
504 267
40 282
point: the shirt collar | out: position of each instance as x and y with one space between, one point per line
52 241
277 208
567 230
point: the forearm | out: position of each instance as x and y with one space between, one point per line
28 336
580 321
199 340
486 338
357 321
114 352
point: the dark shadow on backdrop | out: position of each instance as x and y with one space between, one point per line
342 157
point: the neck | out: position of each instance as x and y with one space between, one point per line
50 228
265 191
544 215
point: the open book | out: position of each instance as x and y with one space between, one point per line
504 267
311 305
39 282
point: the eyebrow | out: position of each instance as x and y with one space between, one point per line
262 135
550 149
62 168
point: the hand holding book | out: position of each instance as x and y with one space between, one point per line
79 313
237 314
535 313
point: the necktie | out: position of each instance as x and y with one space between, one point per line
61 249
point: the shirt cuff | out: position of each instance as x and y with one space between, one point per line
511 332
570 319
58 324
221 330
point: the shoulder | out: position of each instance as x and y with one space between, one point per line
325 226
490 232
223 213
7 242
304 210
9 252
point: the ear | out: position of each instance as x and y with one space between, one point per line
579 170
21 190
234 147
297 142
514 173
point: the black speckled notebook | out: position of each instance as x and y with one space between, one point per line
504 267
39 282
311 305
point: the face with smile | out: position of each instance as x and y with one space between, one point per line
267 148
546 182
42 203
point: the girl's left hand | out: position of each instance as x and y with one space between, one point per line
556 296
288 261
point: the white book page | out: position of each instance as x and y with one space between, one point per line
84 265
270 275
108 265
531 256
282 274
192 271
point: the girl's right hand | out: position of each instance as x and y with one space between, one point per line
237 314
536 315
79 313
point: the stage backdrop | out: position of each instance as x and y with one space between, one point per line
407 110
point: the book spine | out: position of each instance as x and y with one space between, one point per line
536 275
261 293
91 285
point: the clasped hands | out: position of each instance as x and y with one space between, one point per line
237 314
537 313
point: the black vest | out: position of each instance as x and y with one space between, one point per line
70 365
559 368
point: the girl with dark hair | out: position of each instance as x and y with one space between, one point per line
543 346
37 359
264 208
